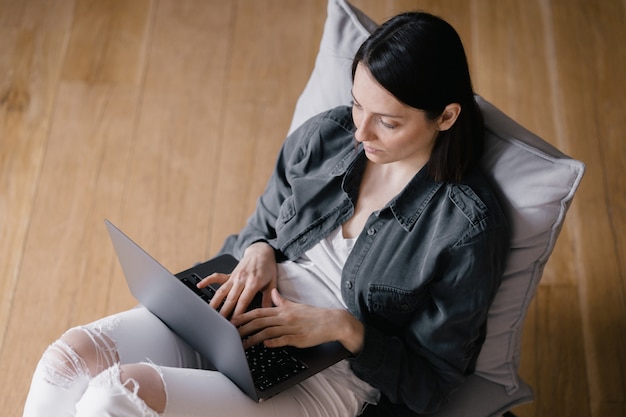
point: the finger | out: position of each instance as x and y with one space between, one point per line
257 339
280 342
254 320
246 297
253 340
230 298
219 294
276 336
224 296
216 278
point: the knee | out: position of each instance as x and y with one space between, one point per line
147 383
128 390
79 354
96 350
65 361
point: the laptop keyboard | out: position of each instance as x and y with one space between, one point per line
269 366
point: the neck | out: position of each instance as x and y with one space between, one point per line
395 174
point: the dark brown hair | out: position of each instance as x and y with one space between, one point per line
419 58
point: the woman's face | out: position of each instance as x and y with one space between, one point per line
390 131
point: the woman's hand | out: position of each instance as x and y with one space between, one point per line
255 272
299 325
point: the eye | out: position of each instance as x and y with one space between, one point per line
386 125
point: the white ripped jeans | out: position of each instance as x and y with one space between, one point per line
66 384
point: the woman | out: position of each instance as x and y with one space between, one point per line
376 230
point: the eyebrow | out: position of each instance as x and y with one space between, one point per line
392 116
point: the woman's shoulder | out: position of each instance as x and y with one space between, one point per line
338 117
331 130
477 198
341 116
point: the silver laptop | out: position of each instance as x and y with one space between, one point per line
258 371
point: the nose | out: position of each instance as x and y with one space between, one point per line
364 131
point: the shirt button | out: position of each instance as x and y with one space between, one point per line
349 285
371 231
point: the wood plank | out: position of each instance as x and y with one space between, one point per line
82 177
561 388
31 61
609 102
107 41
608 409
600 277
509 65
52 15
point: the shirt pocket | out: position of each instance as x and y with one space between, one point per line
393 306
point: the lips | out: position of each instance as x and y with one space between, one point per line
369 149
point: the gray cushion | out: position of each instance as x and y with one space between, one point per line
537 183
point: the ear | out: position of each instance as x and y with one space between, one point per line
448 116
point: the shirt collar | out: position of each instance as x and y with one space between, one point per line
409 205
406 206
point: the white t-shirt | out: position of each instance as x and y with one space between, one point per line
315 279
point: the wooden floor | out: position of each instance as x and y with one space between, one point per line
165 117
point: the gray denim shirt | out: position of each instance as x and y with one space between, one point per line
422 273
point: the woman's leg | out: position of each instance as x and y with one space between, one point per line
65 369
131 388
192 393
121 393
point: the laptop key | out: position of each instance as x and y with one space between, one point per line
270 366
205 293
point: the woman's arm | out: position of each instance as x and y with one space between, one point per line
261 225
255 244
